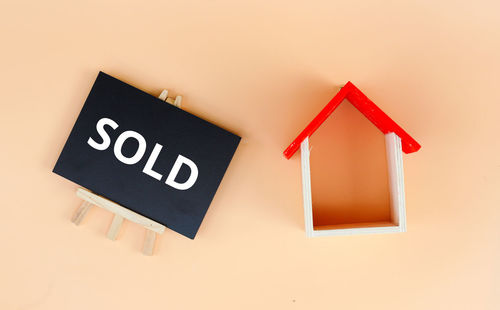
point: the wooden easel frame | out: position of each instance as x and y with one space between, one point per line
120 213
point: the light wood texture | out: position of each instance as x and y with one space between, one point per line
178 101
394 154
149 243
115 226
117 209
306 187
356 229
80 212
164 94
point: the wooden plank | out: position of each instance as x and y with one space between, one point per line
149 243
356 231
80 212
117 209
306 186
394 153
115 226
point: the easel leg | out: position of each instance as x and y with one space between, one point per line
115 226
81 212
149 242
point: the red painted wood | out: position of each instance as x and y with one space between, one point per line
365 106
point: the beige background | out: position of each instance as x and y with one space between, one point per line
262 69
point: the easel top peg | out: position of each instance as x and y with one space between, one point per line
177 101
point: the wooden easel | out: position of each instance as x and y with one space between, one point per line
89 199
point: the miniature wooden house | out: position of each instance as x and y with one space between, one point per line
397 141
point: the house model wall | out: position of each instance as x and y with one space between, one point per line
397 141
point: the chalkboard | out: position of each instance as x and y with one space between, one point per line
146 155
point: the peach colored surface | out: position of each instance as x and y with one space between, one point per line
262 69
349 178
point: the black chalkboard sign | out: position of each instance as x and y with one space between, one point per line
146 155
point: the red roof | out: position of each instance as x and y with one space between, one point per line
365 106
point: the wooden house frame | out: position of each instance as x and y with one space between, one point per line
397 141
